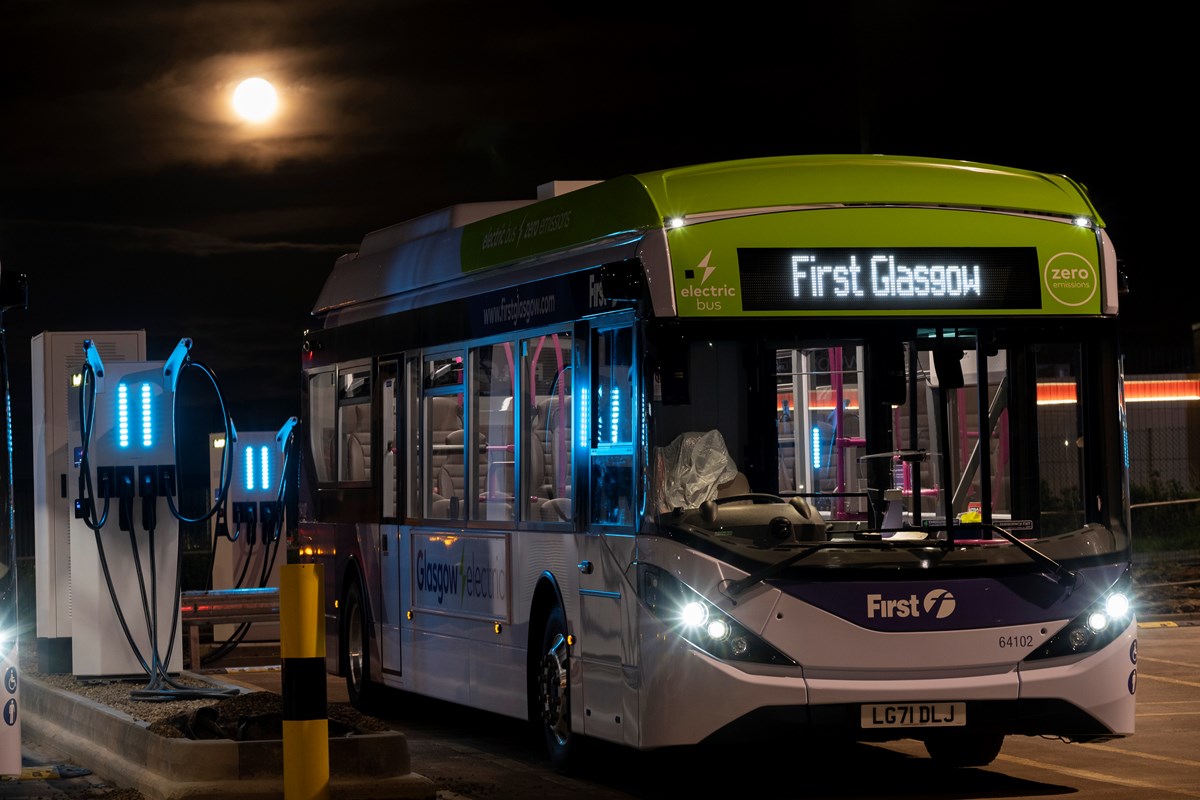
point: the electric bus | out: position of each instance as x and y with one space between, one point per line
828 445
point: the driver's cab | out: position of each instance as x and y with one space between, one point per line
906 430
700 487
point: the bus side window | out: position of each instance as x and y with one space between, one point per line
492 420
613 414
354 423
546 464
442 436
356 442
321 414
443 424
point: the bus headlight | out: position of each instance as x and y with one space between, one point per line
693 614
689 615
718 630
1117 605
1094 628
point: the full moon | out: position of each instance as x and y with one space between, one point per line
255 100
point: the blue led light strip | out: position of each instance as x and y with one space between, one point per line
147 420
122 415
583 420
249 468
266 467
615 403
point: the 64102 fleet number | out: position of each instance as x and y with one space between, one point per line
1023 640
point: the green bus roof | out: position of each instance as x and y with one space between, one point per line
446 245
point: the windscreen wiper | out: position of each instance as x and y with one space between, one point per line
1062 575
771 570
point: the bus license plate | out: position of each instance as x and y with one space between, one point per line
914 715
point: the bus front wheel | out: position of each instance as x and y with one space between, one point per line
356 651
553 692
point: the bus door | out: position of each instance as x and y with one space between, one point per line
386 454
609 421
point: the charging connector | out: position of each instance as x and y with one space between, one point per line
166 480
244 513
106 482
148 482
148 489
268 512
125 490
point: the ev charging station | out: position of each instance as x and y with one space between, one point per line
124 537
248 548
56 360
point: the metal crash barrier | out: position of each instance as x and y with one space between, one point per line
219 606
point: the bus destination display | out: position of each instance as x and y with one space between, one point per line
888 278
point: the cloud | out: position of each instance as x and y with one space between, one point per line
134 239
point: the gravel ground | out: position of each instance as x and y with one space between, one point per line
245 716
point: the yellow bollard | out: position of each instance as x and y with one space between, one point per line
305 704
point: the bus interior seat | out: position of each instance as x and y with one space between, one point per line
356 450
551 431
736 485
557 509
560 445
453 474
496 467
444 419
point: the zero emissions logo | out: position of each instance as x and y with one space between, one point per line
1071 279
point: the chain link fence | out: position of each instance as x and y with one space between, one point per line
1164 486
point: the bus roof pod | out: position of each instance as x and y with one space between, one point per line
444 219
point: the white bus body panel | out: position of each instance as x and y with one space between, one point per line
606 641
463 658
962 665
687 695
1103 682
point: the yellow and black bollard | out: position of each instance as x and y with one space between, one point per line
305 704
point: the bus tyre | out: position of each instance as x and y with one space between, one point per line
553 688
964 748
356 650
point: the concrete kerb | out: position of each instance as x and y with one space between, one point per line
371 766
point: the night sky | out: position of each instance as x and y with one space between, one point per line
133 197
